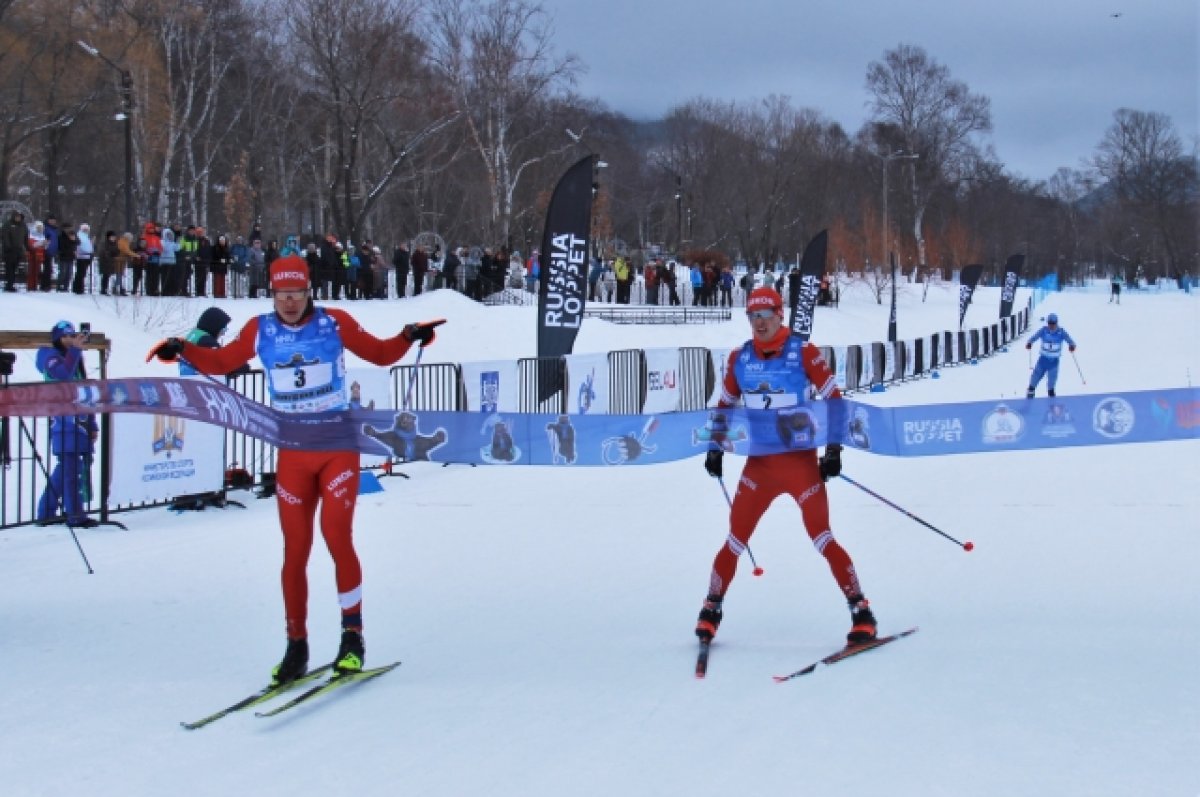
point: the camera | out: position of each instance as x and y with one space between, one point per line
7 360
85 331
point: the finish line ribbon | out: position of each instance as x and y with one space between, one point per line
509 438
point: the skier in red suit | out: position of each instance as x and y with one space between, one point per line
774 370
302 348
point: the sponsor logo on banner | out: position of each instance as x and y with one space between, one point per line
1002 425
661 380
561 435
587 392
118 395
168 435
860 429
917 433
1187 414
1113 418
149 395
503 449
87 395
1058 422
176 395
797 427
489 391
1160 411
629 447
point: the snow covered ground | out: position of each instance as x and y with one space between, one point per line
545 616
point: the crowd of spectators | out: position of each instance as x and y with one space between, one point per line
175 260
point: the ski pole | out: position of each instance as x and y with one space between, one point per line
412 378
758 571
83 555
966 546
1077 368
57 497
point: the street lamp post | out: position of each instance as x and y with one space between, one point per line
897 155
126 115
598 163
678 213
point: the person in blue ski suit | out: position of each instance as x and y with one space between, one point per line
72 437
1052 337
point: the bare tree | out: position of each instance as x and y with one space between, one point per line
498 60
1143 159
750 168
921 109
361 59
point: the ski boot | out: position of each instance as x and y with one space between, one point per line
294 664
1051 393
862 621
351 653
710 618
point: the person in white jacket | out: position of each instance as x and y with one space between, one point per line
83 257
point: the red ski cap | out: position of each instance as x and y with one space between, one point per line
764 299
289 274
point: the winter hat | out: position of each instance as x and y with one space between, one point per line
289 274
1052 318
63 329
764 299
214 321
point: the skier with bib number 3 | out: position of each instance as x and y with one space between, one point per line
302 348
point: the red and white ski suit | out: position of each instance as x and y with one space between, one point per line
767 477
305 479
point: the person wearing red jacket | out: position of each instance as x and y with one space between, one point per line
153 254
302 348
774 370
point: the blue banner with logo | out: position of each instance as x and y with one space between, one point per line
510 438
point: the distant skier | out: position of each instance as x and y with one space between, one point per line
1052 337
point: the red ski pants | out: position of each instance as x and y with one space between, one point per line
304 479
763 480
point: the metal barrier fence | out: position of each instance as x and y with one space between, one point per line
649 314
626 381
697 378
434 388
241 450
538 376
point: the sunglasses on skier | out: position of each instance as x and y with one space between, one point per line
753 314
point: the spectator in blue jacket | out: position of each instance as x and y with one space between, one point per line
72 437
594 275
1052 337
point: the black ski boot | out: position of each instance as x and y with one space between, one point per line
862 621
294 664
710 618
352 652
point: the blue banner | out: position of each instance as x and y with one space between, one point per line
501 438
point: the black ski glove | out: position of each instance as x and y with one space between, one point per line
422 332
712 462
831 462
167 350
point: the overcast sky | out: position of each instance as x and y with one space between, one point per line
1055 70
